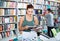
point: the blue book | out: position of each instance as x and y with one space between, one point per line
1 4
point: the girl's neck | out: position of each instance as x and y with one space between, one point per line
29 15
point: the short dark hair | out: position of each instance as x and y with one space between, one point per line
30 6
49 10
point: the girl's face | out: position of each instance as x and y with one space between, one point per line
30 11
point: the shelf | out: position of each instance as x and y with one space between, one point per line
7 30
8 15
8 23
51 1
8 1
50 5
23 2
37 4
8 38
7 8
21 15
22 8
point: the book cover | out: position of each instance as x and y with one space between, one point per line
7 33
3 34
38 11
7 4
3 20
1 28
5 27
12 11
12 4
4 5
25 0
1 12
19 18
22 12
15 18
0 36
19 12
7 20
11 33
20 5
1 4
11 19
12 26
7 11
24 5
0 20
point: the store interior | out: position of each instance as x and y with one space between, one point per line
11 12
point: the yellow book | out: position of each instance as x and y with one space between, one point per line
1 12
15 18
12 26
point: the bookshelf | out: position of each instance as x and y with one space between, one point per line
8 20
12 10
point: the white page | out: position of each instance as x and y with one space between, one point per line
6 20
43 38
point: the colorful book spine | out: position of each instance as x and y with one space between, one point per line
0 20
1 28
1 12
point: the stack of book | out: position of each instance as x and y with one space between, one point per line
22 5
21 12
11 4
9 19
10 11
2 4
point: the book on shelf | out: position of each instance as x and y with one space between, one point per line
7 11
52 3
30 1
10 11
22 5
2 4
21 12
7 20
38 11
40 1
52 0
53 8
0 36
12 0
11 33
1 28
56 4
12 26
13 11
15 18
0 20
19 5
19 18
11 19
24 0
41 7
46 2
1 12
7 34
8 27
11 4
36 6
